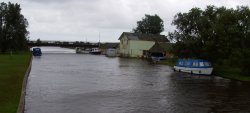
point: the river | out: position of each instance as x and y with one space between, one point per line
61 81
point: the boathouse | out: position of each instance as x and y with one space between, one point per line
137 45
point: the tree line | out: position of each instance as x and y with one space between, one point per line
219 34
13 32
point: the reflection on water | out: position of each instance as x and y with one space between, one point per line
77 83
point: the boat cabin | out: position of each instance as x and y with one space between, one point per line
194 66
36 51
194 63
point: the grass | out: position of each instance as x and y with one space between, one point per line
12 71
230 72
169 61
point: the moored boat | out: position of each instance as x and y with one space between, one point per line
95 51
82 51
111 52
194 66
36 51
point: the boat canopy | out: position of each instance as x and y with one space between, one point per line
36 50
193 63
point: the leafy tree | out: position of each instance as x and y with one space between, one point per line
218 34
38 41
150 25
13 32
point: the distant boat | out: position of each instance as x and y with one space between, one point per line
36 51
95 51
111 52
82 51
194 66
155 59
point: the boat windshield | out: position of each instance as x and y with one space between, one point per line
187 63
196 64
181 63
207 64
201 64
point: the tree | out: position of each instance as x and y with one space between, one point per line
217 34
13 32
150 25
38 41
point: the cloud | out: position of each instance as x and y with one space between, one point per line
77 20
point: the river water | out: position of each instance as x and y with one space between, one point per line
64 82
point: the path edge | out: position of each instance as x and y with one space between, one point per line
21 106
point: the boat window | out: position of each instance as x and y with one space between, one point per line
180 63
201 64
187 63
207 64
196 64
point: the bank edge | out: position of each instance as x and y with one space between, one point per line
21 106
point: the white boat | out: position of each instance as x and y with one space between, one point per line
194 66
95 51
111 52
82 51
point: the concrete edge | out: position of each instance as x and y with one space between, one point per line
21 106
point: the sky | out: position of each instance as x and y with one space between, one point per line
91 20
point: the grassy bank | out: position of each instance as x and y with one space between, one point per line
169 61
219 70
12 71
230 72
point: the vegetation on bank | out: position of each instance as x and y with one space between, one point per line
218 34
227 71
12 70
13 32
170 61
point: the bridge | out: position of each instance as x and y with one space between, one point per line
63 44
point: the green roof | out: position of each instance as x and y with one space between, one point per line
161 47
146 37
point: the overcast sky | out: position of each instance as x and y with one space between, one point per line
81 20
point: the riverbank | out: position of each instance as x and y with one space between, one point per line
223 71
12 72
230 72
170 61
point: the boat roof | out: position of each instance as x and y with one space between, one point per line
192 63
36 48
192 60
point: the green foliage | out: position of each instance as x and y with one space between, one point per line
170 61
13 32
215 34
38 41
150 25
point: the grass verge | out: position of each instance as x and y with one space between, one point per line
170 61
230 72
12 71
